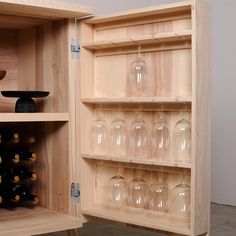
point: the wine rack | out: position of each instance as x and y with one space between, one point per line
16 168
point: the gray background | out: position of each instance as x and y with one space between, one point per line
223 88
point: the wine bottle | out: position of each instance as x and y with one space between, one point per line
8 197
25 195
23 173
8 137
28 138
7 175
25 155
8 157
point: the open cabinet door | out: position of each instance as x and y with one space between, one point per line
35 49
108 100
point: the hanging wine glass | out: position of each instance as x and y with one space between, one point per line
182 140
180 198
118 136
115 191
137 193
160 139
139 137
139 81
99 135
158 194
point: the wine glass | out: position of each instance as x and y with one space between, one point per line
99 135
182 140
139 137
118 136
160 139
137 193
158 194
180 200
139 81
115 191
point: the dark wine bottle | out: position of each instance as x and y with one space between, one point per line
25 155
24 173
28 138
8 197
8 137
9 157
7 175
25 195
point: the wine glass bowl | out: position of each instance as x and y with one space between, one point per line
139 138
118 137
160 139
158 196
115 191
137 193
180 197
182 140
139 80
99 135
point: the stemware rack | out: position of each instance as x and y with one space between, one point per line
38 50
170 44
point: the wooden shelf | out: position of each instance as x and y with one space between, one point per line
23 221
138 161
141 40
33 117
144 100
142 217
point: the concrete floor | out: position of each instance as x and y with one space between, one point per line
223 223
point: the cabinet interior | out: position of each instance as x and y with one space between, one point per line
31 52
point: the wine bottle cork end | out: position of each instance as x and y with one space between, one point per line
16 136
17 157
34 176
34 155
17 198
16 179
36 200
1 200
0 160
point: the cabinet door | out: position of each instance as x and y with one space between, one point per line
166 38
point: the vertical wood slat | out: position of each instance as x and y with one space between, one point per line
201 119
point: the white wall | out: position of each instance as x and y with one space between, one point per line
223 88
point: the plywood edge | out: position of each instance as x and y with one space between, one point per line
131 14
45 8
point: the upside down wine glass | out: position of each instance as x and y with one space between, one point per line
139 137
99 134
139 81
182 140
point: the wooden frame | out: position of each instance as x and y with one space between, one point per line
171 40
35 43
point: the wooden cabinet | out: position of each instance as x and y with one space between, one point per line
47 45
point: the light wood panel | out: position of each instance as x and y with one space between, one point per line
165 74
8 62
40 220
53 187
19 22
52 9
140 40
162 221
201 118
138 13
34 117
136 160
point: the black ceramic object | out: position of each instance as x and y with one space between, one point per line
25 103
2 74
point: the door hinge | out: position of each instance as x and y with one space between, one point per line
75 191
75 49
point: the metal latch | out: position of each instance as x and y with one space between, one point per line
75 49
75 191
